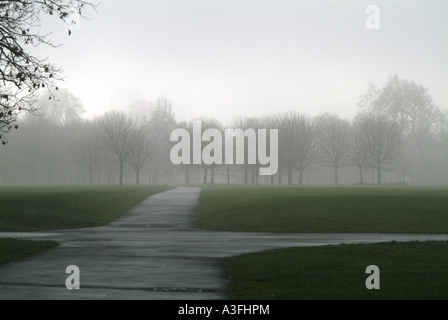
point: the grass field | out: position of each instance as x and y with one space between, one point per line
37 208
414 270
14 249
408 271
326 209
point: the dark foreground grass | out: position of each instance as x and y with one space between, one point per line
412 270
14 249
40 208
326 209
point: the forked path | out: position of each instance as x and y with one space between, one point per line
152 252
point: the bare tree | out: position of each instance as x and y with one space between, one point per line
357 153
86 152
63 109
227 153
381 137
298 141
242 123
333 141
209 123
142 152
161 124
251 123
275 122
408 104
307 144
269 123
21 73
119 135
288 134
186 168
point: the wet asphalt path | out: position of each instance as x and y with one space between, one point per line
152 252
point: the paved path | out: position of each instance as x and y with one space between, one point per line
153 252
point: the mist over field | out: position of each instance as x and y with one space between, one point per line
382 144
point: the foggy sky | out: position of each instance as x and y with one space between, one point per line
240 57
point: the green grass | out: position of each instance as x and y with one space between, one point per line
412 270
38 208
14 249
325 209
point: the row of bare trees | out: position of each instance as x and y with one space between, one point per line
127 139
116 133
369 141
397 130
59 146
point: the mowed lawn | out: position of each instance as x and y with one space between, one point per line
38 208
407 271
14 249
326 209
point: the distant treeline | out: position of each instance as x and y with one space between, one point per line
398 137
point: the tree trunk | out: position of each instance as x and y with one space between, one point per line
272 180
90 176
137 181
378 175
300 176
336 177
121 173
289 176
360 176
245 174
279 177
